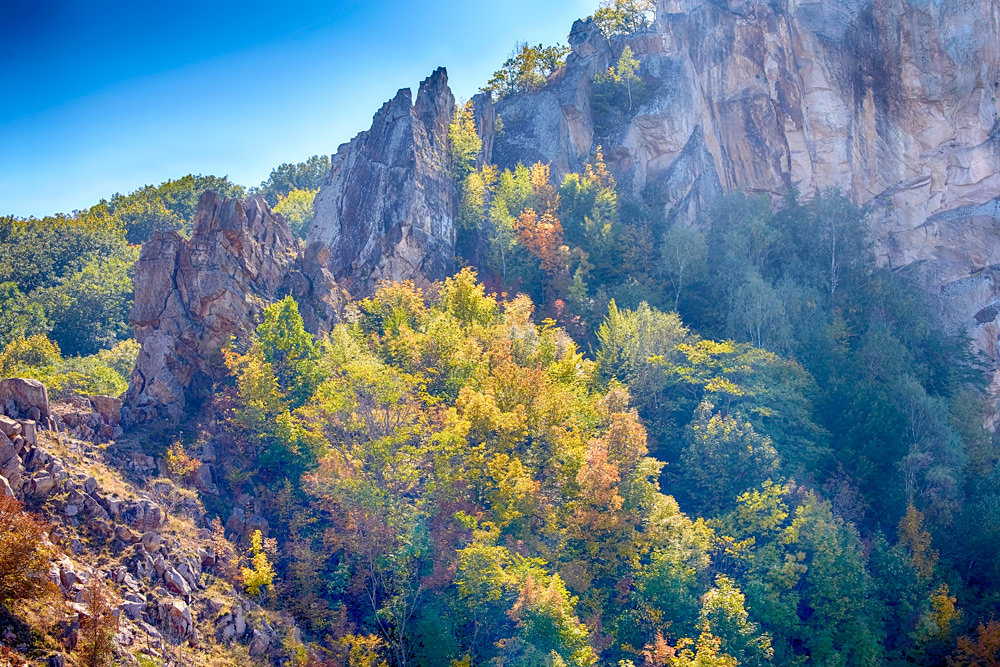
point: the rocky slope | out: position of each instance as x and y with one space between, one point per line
893 102
115 515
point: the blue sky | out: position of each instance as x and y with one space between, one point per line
105 96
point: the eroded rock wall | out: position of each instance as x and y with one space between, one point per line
387 210
191 295
893 102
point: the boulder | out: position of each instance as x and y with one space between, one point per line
29 431
151 541
40 485
176 616
109 407
175 583
9 427
26 396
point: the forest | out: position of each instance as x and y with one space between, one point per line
610 438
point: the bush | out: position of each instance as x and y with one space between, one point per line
38 358
25 554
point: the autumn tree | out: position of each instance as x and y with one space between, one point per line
297 209
25 554
527 69
98 624
983 650
259 573
622 73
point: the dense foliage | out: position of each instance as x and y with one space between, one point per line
286 178
526 70
451 483
622 438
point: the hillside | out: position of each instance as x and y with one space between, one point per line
673 346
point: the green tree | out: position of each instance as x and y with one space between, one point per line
624 17
290 351
683 255
308 175
297 209
724 615
169 205
723 457
89 309
19 316
143 214
464 143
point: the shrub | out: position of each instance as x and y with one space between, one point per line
25 554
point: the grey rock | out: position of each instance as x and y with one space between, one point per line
176 615
259 644
29 431
151 541
25 396
40 484
175 583
9 427
387 211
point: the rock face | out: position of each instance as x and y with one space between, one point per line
191 295
893 102
387 210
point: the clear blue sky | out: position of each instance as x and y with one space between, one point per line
105 96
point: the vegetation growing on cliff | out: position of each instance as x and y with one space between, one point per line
615 437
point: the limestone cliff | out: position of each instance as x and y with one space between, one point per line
893 102
191 295
387 210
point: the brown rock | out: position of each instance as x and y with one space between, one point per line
109 407
191 295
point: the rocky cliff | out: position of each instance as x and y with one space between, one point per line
387 210
191 295
893 102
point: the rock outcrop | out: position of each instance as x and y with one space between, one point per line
25 397
387 210
191 295
893 102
